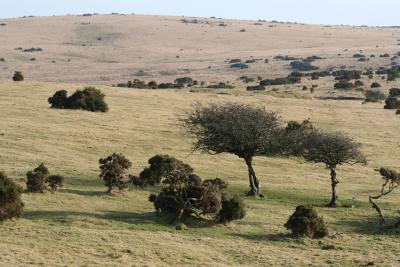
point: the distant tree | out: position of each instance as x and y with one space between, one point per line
18 76
36 179
391 182
240 129
11 205
112 170
332 149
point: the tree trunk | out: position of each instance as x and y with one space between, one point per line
253 180
334 182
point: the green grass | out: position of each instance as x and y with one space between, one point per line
82 226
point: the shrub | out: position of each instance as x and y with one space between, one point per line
255 88
343 85
347 75
358 83
55 182
306 222
302 66
374 96
184 80
394 92
217 181
18 76
233 208
392 103
11 205
220 85
112 169
90 99
239 66
280 81
375 85
36 179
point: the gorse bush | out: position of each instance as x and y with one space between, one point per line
184 195
306 222
374 96
112 170
90 99
233 208
11 205
392 103
36 179
55 182
18 76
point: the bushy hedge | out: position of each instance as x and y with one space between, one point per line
280 81
347 75
11 205
90 99
302 66
306 222
18 76
343 85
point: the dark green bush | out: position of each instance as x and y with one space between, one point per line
375 85
280 81
55 182
11 205
255 88
392 103
358 83
302 66
233 208
18 76
347 75
220 85
306 222
394 92
36 179
90 99
343 85
112 169
374 96
217 181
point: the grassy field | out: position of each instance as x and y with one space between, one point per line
82 226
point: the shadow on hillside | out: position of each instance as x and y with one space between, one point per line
370 226
134 218
83 192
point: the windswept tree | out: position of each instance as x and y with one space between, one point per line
391 180
240 129
113 169
332 149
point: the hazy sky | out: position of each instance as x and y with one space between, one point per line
354 12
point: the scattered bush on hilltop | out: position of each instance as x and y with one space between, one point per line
90 99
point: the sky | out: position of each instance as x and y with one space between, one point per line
348 12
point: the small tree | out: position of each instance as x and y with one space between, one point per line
332 149
36 179
240 129
391 181
55 182
18 76
11 205
112 170
306 222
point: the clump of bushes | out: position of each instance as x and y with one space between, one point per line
11 205
374 96
90 99
18 76
343 84
178 84
394 92
302 66
375 85
112 170
347 75
280 81
39 180
184 195
255 88
306 222
392 103
221 85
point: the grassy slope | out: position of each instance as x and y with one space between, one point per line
80 225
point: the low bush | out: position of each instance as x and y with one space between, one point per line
280 81
392 103
18 76
394 92
302 66
90 99
375 85
347 75
233 208
358 83
239 66
306 222
220 85
255 88
11 205
55 182
374 96
343 85
36 179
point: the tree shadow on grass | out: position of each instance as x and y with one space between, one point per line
278 237
83 192
133 218
370 226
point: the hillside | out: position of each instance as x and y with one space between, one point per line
81 225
